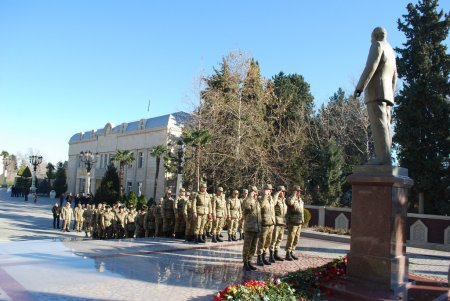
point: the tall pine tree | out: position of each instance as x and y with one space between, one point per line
422 120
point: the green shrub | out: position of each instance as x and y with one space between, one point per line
141 201
307 217
131 200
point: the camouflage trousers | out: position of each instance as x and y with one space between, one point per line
217 225
209 226
109 231
180 224
277 237
201 221
191 224
293 237
120 232
88 228
232 226
79 225
66 224
158 226
168 225
249 247
265 237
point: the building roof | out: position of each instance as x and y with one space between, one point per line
174 119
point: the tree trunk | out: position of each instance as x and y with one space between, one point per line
197 169
158 161
121 171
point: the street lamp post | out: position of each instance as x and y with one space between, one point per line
6 162
89 159
35 161
180 158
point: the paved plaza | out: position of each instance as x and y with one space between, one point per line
38 262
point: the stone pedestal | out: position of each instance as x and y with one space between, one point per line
378 243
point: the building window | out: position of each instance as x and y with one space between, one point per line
129 187
105 162
101 161
140 159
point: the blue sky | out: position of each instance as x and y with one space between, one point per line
71 66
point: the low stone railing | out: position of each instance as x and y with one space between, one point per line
420 228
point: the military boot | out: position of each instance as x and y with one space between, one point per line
251 266
218 238
229 237
293 256
247 267
197 239
288 256
202 239
214 238
233 237
259 261
275 255
271 259
264 260
242 235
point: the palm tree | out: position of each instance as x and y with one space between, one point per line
157 151
200 138
124 157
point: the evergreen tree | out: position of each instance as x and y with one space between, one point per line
422 116
60 183
327 180
109 190
131 200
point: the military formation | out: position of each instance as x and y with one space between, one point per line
258 217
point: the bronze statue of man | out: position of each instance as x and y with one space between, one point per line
378 80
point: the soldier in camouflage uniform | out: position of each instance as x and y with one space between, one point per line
101 228
168 214
157 213
294 220
121 223
180 222
241 221
66 215
140 230
87 218
78 217
219 214
115 210
202 212
94 222
188 213
268 222
130 223
234 214
280 223
149 221
107 222
252 226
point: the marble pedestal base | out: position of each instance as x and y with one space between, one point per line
378 243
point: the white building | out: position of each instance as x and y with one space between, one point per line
139 137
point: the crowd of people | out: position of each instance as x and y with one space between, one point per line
259 217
